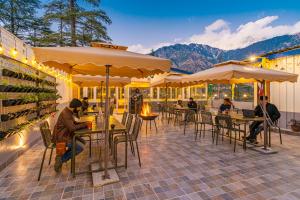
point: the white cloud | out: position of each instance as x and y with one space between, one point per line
219 34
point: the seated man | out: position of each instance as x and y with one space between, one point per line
179 104
192 104
227 105
63 132
255 127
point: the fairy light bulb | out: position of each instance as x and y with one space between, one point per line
25 60
33 62
1 49
14 52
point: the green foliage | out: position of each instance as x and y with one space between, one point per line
76 24
18 15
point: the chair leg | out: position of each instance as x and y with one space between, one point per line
280 135
184 127
138 153
132 148
90 147
126 146
196 131
116 155
269 136
42 164
234 140
50 156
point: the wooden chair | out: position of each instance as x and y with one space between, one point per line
132 138
189 117
124 118
225 122
46 136
205 118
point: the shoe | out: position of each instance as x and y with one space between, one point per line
58 164
253 141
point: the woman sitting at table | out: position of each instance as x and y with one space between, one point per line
227 105
63 132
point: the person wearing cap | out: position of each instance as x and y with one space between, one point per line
226 105
63 132
255 127
192 104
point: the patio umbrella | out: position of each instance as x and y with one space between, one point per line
103 59
235 73
93 81
168 81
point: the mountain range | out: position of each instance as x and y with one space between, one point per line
197 57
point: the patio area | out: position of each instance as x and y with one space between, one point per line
174 166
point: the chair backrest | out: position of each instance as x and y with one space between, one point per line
124 118
46 134
224 121
136 128
206 117
129 122
190 115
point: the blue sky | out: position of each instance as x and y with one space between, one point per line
227 24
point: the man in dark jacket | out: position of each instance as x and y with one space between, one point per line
255 127
192 104
63 132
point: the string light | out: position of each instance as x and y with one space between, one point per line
14 52
1 49
25 60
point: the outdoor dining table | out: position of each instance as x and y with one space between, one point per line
241 119
97 127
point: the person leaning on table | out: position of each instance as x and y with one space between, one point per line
63 132
255 127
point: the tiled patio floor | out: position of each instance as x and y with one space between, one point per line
174 166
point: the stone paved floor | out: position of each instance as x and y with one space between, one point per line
174 166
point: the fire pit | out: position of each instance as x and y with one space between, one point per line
147 116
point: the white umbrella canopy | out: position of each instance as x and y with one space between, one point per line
93 81
91 61
239 74
170 81
104 59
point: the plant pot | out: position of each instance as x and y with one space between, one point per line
6 72
20 75
9 88
15 75
2 88
4 117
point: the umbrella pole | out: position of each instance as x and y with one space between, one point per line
265 117
106 175
101 97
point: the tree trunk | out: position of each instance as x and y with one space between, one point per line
12 18
61 32
73 22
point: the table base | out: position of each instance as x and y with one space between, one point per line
263 150
98 179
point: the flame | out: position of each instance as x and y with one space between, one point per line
145 109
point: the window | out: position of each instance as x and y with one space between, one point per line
244 92
90 93
154 90
81 93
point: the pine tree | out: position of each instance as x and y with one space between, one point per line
56 12
87 25
17 16
40 33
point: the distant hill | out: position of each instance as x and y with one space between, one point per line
197 57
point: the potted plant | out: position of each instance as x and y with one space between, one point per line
3 86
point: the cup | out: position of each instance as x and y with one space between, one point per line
89 124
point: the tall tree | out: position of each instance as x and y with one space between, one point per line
41 34
56 12
87 25
18 15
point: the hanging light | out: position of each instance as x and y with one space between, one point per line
1 49
14 52
25 60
